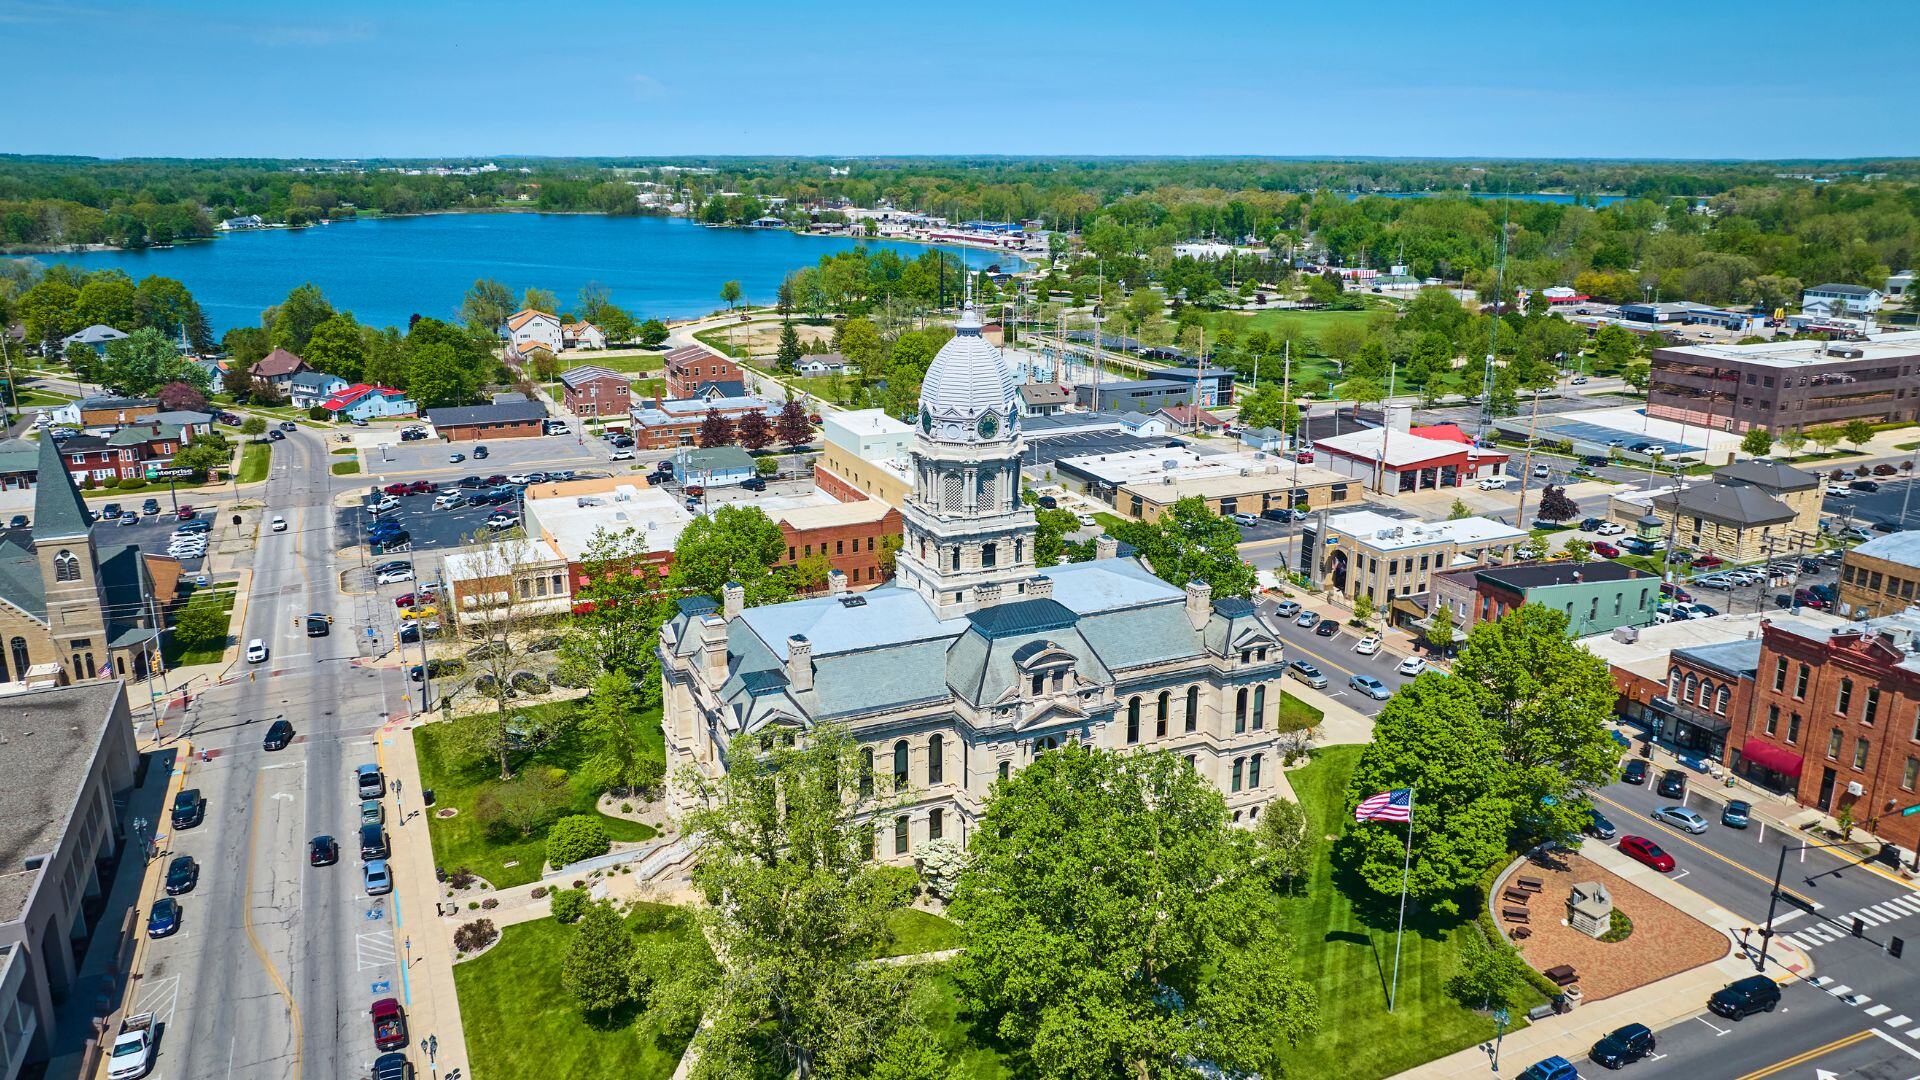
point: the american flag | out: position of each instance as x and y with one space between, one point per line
1395 805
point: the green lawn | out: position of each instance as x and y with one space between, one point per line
649 389
716 339
183 489
37 398
973 1051
1295 715
1306 326
626 365
522 1025
916 932
1346 951
345 468
255 457
170 649
835 388
458 782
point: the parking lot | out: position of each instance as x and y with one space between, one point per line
431 458
153 534
1889 504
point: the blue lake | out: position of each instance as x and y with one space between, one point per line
384 270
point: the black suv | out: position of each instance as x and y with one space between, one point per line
1739 1000
279 734
1623 1047
1673 784
188 808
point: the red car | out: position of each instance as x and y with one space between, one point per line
420 487
1708 561
404 600
389 1024
395 488
1642 850
185 513
1605 550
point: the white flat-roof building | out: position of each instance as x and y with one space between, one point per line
1367 553
1398 461
868 433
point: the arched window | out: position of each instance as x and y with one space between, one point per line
1673 685
936 823
936 760
1259 708
90 670
1692 689
866 771
1160 715
1133 721
1045 743
66 567
900 765
1239 771
1240 711
1006 770
1721 701
1705 699
900 835
1253 771
1193 708
21 662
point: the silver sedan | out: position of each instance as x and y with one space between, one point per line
1681 818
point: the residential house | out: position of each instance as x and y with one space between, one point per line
191 422
94 337
309 388
582 335
363 402
1192 418
244 221
1146 425
1268 439
693 371
1834 298
528 329
19 464
593 391
814 364
1044 399
277 369
471 423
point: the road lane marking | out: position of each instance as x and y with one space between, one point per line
1802 1058
1877 1010
1910 1051
1782 920
1685 839
1898 1021
253 939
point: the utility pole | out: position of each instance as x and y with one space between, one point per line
1526 466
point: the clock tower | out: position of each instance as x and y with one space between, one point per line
969 538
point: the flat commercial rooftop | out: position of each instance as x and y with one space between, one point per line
1804 354
1600 426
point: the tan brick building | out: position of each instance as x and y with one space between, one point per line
1736 523
1881 576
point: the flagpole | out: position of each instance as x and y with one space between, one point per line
1406 868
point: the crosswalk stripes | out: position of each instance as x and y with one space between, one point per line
1877 1010
1833 928
1897 1022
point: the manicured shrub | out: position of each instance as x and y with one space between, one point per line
575 838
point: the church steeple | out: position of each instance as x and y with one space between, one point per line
69 570
969 539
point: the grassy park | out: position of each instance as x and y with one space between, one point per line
459 779
255 458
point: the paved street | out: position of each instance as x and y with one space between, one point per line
277 962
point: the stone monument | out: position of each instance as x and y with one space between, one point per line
1590 908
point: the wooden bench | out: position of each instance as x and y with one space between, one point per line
1518 896
1519 933
1517 914
1562 975
1531 884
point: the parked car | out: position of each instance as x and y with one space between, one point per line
1673 784
753 483
1307 619
1412 665
1642 850
164 919
1737 814
392 1067
1368 645
1553 1068
1681 818
1605 550
1739 1000
1708 561
389 577
1598 826
369 781
1307 673
322 851
373 811
1623 1046
389 1025
1864 485
1610 528
279 735
1493 483
398 487
1668 588
1586 471
182 875
373 841
1327 628
1590 524
1370 686
150 507
376 878
1635 772
383 505
189 809
1287 609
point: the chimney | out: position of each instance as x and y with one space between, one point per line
1105 547
1040 588
713 648
735 596
799 662
1199 603
836 582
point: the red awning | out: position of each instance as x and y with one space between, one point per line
1769 756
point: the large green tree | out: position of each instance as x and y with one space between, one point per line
144 361
1434 739
486 306
797 907
336 347
1549 701
1192 542
291 324
733 543
618 609
1117 924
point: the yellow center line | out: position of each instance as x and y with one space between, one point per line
253 939
1800 1059
1690 842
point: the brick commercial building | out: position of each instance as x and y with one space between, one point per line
594 391
503 420
1144 484
663 425
1836 719
1787 385
1595 596
1881 576
1366 553
857 538
70 758
111 412
695 372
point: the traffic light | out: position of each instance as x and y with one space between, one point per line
1894 945
1859 926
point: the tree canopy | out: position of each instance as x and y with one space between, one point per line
1191 542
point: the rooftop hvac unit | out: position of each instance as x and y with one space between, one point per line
1626 634
1259 455
1246 472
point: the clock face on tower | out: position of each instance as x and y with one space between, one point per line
989 425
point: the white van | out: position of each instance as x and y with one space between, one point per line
256 651
557 427
625 453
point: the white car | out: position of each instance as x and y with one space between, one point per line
447 500
1610 528
518 478
1542 470
389 577
386 503
256 651
1493 483
1368 645
1412 665
622 454
1087 519
279 523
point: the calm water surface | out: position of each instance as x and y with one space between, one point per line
385 270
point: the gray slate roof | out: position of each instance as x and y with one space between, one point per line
1768 476
1742 505
506 413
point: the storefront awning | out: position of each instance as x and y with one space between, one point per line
1769 756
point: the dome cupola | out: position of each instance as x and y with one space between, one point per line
968 393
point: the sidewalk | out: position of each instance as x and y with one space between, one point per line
1656 1005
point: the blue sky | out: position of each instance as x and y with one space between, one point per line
1391 78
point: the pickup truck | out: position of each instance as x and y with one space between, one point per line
389 1025
133 1050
